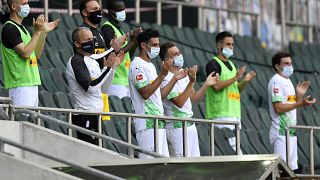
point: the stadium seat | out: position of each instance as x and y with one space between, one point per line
253 115
46 100
3 114
47 81
55 59
245 145
56 76
1 75
264 138
4 92
61 100
204 141
127 104
71 100
222 143
245 121
44 62
255 141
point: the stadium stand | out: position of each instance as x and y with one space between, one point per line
198 47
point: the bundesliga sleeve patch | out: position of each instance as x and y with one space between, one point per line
275 90
139 77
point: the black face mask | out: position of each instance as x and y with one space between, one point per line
95 17
88 47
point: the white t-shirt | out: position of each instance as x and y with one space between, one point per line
170 109
143 73
281 89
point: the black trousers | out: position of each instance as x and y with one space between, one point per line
89 122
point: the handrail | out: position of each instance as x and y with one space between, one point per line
311 129
75 111
85 169
12 109
86 131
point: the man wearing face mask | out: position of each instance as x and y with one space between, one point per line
223 98
21 52
85 79
111 28
283 102
178 102
144 84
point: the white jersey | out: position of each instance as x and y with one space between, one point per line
170 109
143 73
281 89
85 79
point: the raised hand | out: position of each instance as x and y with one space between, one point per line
181 74
134 34
114 60
192 73
240 72
166 66
250 76
117 43
307 101
302 88
212 79
38 24
50 26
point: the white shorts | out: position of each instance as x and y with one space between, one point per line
145 140
24 96
118 90
279 147
232 127
175 138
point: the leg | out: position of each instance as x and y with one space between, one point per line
89 122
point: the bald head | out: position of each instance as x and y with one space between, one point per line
81 35
13 3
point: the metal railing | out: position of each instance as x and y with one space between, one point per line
13 109
311 138
85 169
201 13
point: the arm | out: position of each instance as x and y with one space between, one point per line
25 51
40 44
168 88
211 80
180 100
148 90
249 77
279 107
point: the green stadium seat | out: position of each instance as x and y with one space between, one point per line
44 62
204 141
77 19
145 26
192 37
196 112
255 119
3 114
127 104
55 59
47 81
245 121
222 143
265 117
245 145
61 100
264 138
169 33
1 75
181 37
255 141
56 76
46 100
71 100
68 21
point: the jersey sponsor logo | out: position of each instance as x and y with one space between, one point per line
275 90
127 64
151 81
139 77
33 61
234 96
99 50
292 99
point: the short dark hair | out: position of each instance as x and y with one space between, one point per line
83 6
146 35
10 2
111 3
220 36
276 59
164 49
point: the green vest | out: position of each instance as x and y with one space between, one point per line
122 71
19 72
225 103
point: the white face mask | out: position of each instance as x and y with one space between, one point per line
178 61
227 52
153 52
287 71
121 16
24 10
